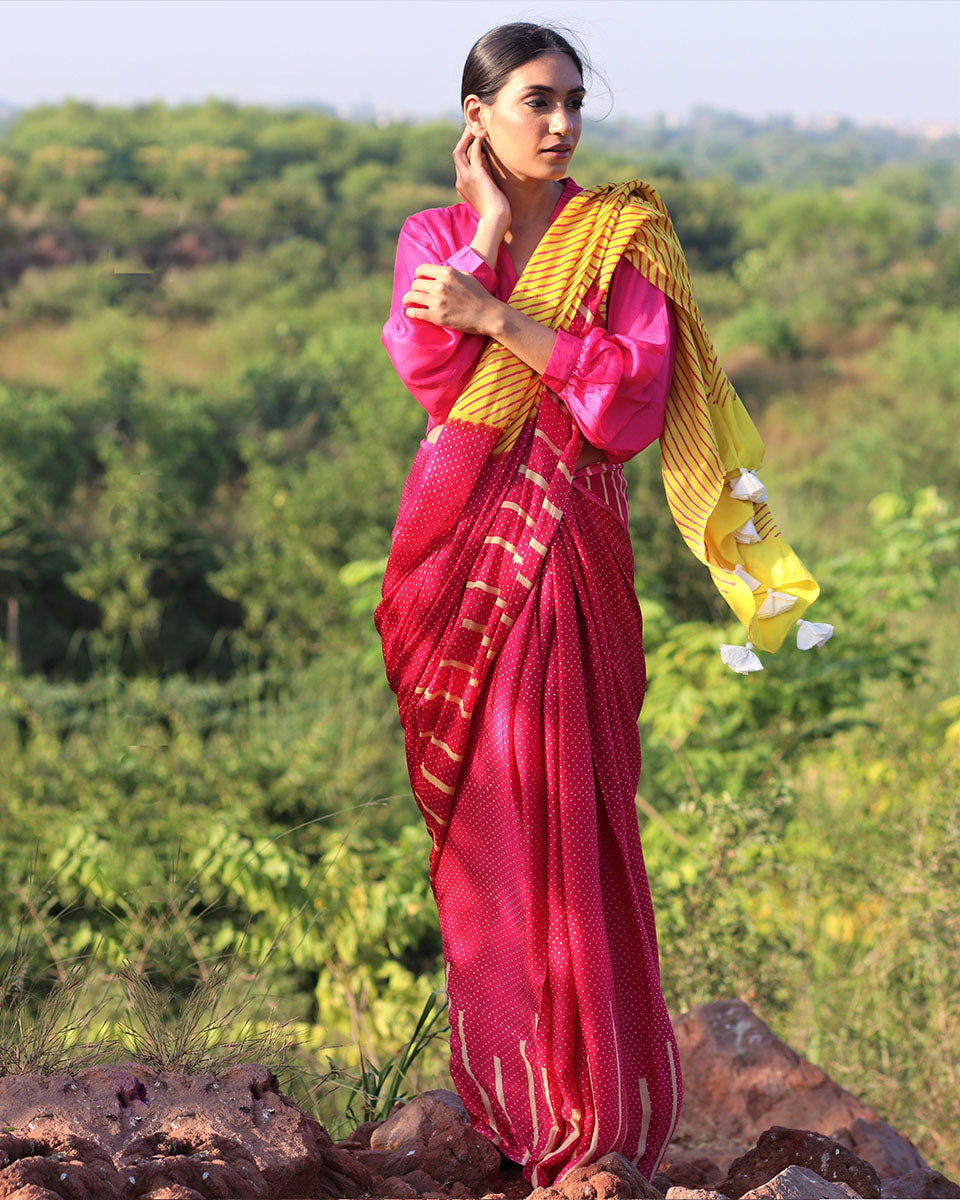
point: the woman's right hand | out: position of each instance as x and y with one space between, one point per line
476 185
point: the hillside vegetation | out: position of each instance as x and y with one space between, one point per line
202 446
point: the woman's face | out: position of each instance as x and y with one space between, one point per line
533 124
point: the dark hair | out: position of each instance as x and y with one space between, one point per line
494 56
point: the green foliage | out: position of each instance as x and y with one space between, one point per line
874 906
141 547
377 1088
706 217
202 446
777 152
761 326
284 391
711 863
757 726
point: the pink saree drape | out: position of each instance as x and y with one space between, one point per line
524 757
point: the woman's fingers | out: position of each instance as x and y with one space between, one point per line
432 272
461 151
475 154
470 159
423 286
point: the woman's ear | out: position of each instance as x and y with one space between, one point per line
473 115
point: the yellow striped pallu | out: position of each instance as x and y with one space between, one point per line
709 440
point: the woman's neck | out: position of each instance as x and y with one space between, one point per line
532 201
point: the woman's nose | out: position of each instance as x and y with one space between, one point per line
560 121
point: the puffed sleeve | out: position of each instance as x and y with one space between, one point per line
434 362
615 381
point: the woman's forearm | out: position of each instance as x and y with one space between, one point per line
529 340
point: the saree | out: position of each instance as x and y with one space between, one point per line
512 638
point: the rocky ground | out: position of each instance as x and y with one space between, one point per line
758 1121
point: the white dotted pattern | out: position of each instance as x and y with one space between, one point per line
526 771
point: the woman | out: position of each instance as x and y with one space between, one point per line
550 334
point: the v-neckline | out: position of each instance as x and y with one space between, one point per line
504 251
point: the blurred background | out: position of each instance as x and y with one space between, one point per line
202 447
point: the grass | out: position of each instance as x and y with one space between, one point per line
45 1031
379 1085
48 1040
198 1042
168 1007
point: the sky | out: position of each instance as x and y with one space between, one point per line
885 60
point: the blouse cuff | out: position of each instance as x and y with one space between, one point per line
562 360
468 260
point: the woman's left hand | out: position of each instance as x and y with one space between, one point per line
454 299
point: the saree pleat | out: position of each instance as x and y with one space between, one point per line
561 1045
513 639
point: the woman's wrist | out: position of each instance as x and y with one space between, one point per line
497 324
529 340
486 241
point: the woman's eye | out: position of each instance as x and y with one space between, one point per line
574 104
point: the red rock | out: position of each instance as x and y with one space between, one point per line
600 1186
779 1147
372 1160
544 1193
164 1130
432 1134
32 1192
688 1167
63 1164
421 1181
799 1183
607 1177
922 1184
72 1179
891 1154
607 1186
636 1184
459 1191
685 1193
739 1078
692 1170
418 1119
175 1191
198 1174
363 1132
395 1188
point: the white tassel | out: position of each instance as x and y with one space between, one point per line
775 604
747 487
741 572
747 533
741 658
812 633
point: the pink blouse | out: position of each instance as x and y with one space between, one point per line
614 381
